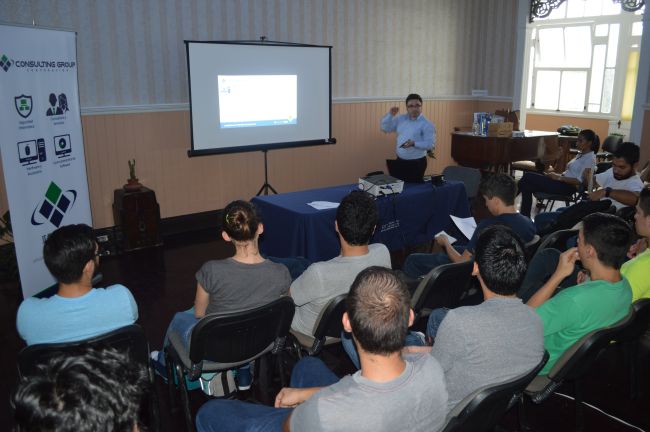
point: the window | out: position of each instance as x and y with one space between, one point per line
583 58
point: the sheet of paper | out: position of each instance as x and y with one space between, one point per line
451 239
323 205
466 225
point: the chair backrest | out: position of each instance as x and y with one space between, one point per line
129 339
531 246
471 177
329 321
482 410
442 287
577 360
641 322
557 239
611 143
626 213
233 337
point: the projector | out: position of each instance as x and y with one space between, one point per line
379 185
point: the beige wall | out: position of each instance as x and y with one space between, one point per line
159 143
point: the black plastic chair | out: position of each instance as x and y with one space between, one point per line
626 213
471 178
630 337
327 329
548 199
531 247
482 410
220 342
573 365
609 147
444 286
129 339
557 240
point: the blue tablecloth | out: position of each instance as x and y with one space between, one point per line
293 228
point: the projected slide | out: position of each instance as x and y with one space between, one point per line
257 100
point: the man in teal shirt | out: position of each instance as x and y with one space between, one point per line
601 297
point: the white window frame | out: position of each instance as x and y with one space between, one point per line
625 41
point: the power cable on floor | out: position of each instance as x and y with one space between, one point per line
601 411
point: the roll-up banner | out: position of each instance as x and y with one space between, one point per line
41 143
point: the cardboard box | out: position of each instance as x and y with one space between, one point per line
500 129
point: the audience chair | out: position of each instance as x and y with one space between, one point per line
220 342
573 365
630 338
557 240
626 213
327 329
129 339
444 286
482 410
601 167
608 147
545 200
471 177
531 247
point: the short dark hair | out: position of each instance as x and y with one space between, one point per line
644 200
627 151
501 259
413 96
499 185
610 235
67 250
93 390
240 220
591 136
378 307
357 217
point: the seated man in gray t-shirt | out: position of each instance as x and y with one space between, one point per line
356 218
390 393
498 339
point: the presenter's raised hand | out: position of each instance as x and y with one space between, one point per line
394 111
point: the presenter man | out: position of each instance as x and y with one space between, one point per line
415 134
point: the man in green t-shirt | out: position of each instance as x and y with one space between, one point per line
637 270
602 296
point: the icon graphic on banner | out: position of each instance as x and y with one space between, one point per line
42 155
5 63
54 205
27 152
62 145
58 105
23 105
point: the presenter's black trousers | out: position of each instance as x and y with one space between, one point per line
416 166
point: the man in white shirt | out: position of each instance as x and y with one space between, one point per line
621 184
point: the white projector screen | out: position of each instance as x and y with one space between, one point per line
247 96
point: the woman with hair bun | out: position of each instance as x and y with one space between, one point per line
242 282
562 184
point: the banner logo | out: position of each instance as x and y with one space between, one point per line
23 104
5 63
54 205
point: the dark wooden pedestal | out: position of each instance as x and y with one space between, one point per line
137 213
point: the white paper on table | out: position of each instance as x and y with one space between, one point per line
450 239
466 225
323 205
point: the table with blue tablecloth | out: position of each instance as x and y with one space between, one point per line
293 228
